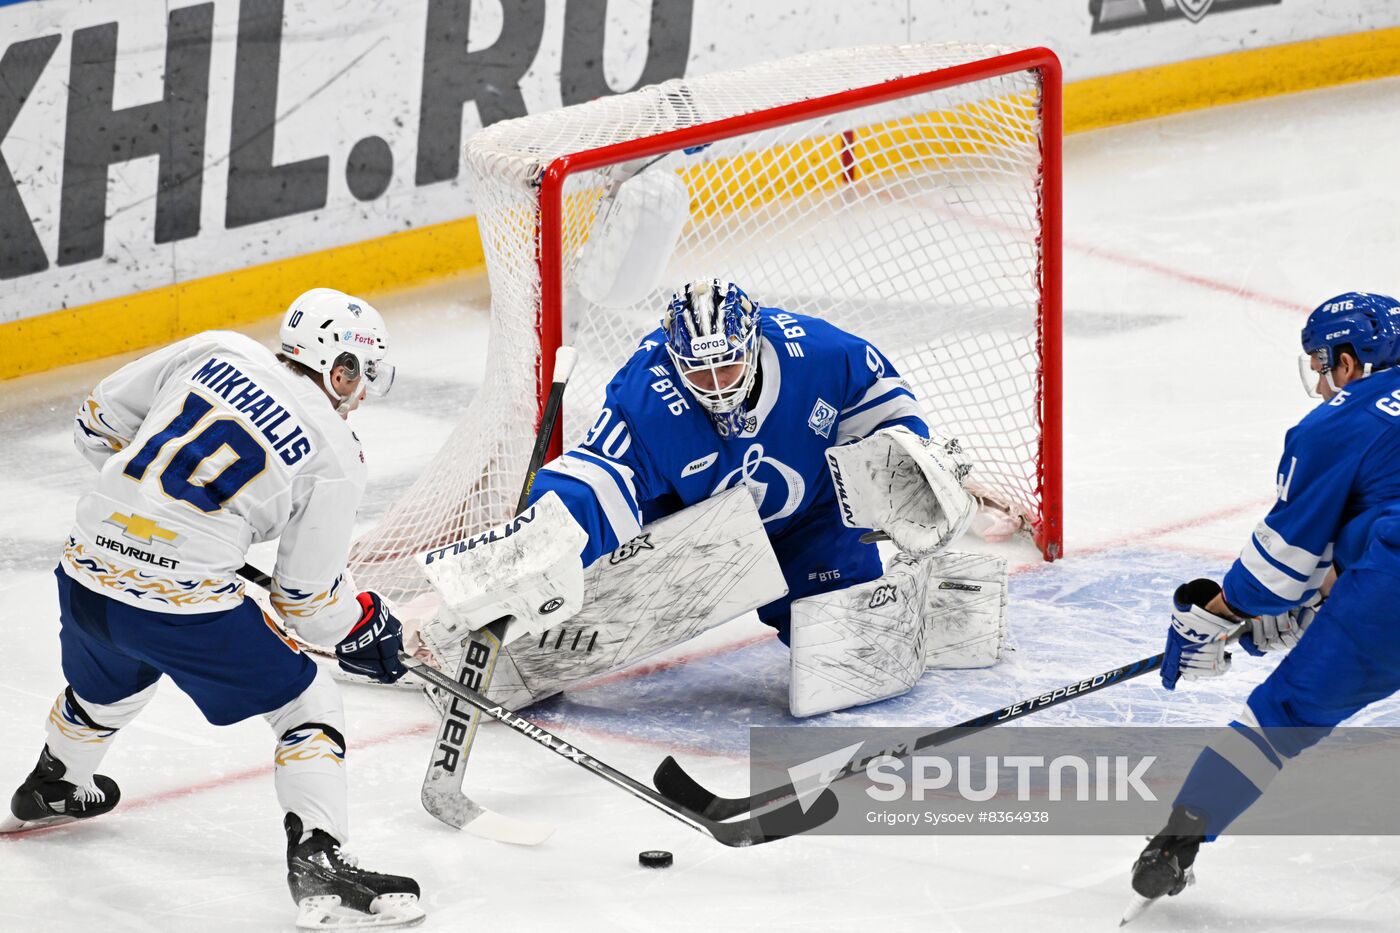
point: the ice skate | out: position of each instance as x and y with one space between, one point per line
45 799
1164 867
333 892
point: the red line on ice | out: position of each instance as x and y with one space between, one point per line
1137 262
1191 278
667 664
223 780
1256 507
409 731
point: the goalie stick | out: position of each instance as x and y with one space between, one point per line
564 360
475 818
788 820
442 794
677 785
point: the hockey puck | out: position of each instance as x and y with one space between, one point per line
655 858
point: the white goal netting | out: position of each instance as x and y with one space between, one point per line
909 213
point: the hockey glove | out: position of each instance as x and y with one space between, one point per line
1281 631
904 485
1197 639
372 647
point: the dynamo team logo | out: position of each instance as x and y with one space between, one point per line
765 475
822 419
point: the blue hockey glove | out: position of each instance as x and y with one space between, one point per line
371 648
1196 640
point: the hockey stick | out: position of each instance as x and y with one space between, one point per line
477 819
564 360
788 820
442 794
677 785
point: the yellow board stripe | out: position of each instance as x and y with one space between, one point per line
1231 78
243 296
413 256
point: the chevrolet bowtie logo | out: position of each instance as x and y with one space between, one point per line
138 528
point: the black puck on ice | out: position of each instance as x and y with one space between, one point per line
655 858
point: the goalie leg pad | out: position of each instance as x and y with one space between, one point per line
857 645
964 608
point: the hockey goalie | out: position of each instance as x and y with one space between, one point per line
738 458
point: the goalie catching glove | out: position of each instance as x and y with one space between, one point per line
372 647
907 486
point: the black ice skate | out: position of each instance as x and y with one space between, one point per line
1164 867
45 799
335 893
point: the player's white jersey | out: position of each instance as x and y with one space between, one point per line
204 448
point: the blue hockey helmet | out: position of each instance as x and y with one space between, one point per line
711 331
1364 324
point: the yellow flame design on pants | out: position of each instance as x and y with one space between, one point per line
312 745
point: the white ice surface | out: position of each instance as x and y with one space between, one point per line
1194 247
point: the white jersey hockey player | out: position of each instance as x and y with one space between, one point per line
203 448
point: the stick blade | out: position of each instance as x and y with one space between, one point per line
676 785
673 782
564 359
1136 908
779 823
497 826
461 812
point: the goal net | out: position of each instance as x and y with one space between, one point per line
908 194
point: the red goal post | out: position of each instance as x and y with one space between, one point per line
910 194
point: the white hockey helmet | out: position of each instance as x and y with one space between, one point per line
324 328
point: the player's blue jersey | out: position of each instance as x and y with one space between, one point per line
1338 491
653 450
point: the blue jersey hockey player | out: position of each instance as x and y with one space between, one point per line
829 442
724 393
1333 534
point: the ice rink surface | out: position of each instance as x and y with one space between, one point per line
1194 247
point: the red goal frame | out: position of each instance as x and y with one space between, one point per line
1047 529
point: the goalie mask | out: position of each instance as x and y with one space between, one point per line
325 328
1364 324
712 337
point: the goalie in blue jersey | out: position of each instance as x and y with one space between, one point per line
1333 535
830 442
726 393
